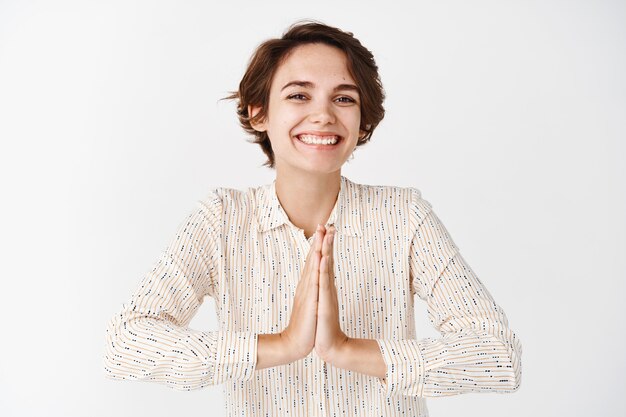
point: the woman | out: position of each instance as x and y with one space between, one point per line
314 275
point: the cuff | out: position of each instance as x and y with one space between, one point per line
234 357
405 367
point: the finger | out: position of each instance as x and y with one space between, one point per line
321 233
328 250
314 276
326 243
312 248
323 273
311 276
317 237
313 270
331 262
316 252
328 275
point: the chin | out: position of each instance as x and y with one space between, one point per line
324 168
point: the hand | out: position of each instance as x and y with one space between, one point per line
299 335
329 338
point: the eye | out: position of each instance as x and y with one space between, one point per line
295 95
347 99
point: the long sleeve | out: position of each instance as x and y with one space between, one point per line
477 352
148 340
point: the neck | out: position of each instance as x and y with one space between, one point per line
308 198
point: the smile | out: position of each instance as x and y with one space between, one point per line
319 140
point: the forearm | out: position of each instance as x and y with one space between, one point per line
146 348
272 351
361 355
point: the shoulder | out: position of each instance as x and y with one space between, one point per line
230 204
406 198
210 203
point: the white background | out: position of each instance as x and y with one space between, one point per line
508 116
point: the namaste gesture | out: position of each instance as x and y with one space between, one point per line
314 321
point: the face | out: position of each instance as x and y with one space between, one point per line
313 98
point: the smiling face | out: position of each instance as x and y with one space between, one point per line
313 98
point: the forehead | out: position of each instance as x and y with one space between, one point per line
319 63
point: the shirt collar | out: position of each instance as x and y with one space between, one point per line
345 215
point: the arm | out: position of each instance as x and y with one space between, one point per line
148 340
478 351
272 351
360 355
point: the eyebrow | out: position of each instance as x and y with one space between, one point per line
309 84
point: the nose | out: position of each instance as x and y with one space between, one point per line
322 113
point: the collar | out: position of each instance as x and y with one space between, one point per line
345 215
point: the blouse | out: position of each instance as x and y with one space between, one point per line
241 249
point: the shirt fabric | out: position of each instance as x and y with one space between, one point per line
240 249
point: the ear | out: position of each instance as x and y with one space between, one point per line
252 111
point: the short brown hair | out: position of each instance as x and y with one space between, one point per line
254 88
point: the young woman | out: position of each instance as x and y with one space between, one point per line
313 275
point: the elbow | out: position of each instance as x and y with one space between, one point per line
514 380
119 361
506 372
132 353
112 358
516 362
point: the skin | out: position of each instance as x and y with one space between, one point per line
308 181
307 185
329 338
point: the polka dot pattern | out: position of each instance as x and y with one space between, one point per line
239 248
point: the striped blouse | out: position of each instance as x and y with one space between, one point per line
241 249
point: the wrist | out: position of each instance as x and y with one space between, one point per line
361 355
291 352
337 356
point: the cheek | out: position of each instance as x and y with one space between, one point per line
354 119
290 118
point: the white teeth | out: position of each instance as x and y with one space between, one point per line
319 140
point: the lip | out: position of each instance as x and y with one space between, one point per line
318 133
318 147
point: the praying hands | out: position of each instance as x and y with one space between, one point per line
329 338
314 321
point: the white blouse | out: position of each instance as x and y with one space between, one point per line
240 249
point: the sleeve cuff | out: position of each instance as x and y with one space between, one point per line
405 367
233 356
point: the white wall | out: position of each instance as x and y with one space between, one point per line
509 116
